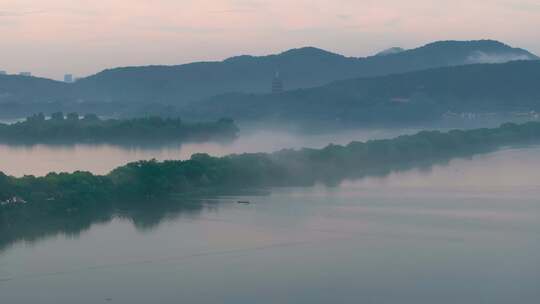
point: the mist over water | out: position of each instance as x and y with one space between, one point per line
100 159
302 200
461 232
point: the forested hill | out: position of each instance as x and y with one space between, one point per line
401 98
299 68
15 89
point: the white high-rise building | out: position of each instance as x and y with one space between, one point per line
28 74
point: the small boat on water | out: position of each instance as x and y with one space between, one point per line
244 202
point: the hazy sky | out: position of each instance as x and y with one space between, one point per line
53 37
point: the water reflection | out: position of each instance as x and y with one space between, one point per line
100 159
465 231
15 228
505 174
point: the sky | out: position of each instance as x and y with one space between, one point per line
53 37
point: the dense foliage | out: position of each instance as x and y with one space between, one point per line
72 128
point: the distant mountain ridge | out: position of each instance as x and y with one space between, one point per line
398 98
23 89
300 68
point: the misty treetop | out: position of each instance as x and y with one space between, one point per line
73 128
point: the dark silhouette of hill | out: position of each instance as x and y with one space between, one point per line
300 68
408 97
27 89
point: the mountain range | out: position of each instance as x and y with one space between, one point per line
188 83
398 98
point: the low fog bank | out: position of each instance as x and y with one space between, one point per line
480 57
19 160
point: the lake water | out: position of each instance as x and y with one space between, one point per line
100 159
463 232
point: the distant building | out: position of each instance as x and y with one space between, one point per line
68 78
3 72
90 117
13 201
27 74
36 118
72 116
57 116
277 84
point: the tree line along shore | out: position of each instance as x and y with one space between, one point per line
145 181
73 128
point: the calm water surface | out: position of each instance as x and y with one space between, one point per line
464 232
41 159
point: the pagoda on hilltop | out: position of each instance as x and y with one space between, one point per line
277 84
